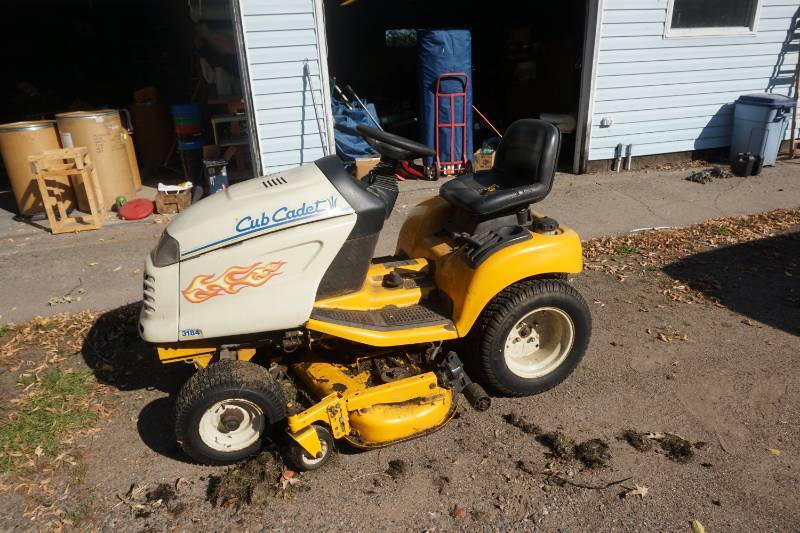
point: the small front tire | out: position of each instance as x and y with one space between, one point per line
223 412
302 461
531 336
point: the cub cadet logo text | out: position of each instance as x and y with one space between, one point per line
284 215
236 278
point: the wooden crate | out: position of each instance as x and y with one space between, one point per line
76 165
173 202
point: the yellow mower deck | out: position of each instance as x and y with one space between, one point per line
367 416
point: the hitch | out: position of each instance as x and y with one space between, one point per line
451 374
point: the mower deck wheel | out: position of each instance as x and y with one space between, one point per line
301 460
223 411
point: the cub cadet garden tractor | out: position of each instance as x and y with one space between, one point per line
270 289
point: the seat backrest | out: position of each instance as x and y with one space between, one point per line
528 153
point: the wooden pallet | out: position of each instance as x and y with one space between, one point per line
76 165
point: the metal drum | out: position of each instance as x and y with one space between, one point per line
102 133
19 140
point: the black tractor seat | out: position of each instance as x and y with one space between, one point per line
523 172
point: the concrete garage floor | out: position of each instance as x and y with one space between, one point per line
104 268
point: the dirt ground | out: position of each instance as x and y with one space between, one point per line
703 345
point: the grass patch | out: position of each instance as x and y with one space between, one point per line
725 230
626 249
46 418
3 330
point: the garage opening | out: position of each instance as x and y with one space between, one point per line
165 71
526 60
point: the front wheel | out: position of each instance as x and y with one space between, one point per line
532 336
301 460
223 411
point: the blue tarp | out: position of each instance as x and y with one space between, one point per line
349 143
438 52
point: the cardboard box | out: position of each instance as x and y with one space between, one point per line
365 164
481 161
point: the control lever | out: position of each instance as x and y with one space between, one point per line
466 238
451 374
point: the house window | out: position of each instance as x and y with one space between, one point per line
690 18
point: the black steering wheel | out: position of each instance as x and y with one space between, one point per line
393 146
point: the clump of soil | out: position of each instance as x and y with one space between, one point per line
709 174
638 440
164 492
561 446
163 495
250 483
527 467
593 453
397 468
519 422
677 448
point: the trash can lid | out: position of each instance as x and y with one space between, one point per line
766 99
136 209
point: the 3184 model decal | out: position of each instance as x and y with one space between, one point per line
233 280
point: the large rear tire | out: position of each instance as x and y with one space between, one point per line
531 337
223 412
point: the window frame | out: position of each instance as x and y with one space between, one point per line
720 31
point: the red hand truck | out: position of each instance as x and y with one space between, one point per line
453 165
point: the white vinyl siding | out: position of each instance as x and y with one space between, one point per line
279 36
675 94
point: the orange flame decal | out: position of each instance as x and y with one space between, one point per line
236 278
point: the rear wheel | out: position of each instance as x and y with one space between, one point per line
532 336
223 411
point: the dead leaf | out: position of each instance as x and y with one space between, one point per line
93 263
287 479
180 482
637 490
117 269
39 451
458 512
697 527
774 452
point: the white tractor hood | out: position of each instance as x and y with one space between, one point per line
257 207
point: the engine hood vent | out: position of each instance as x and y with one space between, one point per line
273 182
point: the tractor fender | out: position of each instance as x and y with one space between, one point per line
470 289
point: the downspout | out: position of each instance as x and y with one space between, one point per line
244 76
591 47
324 75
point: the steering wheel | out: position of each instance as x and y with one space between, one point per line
393 146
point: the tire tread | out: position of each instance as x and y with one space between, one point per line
489 324
223 374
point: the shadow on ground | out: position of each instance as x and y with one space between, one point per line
119 358
758 279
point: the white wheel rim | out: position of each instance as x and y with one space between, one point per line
539 342
217 436
312 461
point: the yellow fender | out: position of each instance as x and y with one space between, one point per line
470 289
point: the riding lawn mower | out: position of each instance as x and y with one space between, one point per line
300 336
